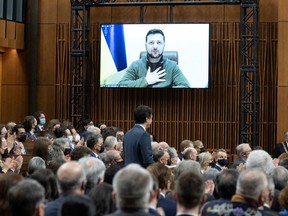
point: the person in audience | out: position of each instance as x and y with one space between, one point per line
10 136
92 130
110 143
102 198
41 121
113 157
190 154
251 190
95 142
199 146
76 205
71 180
52 125
280 177
283 200
47 179
183 145
6 182
281 147
26 198
130 198
225 188
153 200
41 148
173 156
187 195
111 171
29 124
284 163
260 159
60 149
136 142
4 152
20 136
34 164
108 131
186 165
221 161
161 157
164 145
94 171
86 123
80 152
205 161
163 175
243 150
119 134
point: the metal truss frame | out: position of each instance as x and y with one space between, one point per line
249 66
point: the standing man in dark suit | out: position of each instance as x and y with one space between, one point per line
137 142
281 147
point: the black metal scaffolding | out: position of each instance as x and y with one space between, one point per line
249 69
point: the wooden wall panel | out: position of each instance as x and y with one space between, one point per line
46 100
197 14
47 54
48 11
14 105
265 7
63 11
282 123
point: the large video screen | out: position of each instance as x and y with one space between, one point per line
154 55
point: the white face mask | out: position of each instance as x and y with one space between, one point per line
77 138
70 138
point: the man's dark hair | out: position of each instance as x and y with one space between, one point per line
60 132
85 122
155 31
141 113
188 195
79 152
92 140
75 205
16 128
226 182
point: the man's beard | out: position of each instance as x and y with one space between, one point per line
155 57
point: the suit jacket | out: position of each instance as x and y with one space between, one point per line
169 206
53 207
279 149
137 147
139 212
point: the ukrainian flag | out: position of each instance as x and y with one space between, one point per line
113 50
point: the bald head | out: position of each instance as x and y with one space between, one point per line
71 177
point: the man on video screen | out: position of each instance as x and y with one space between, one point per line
154 70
